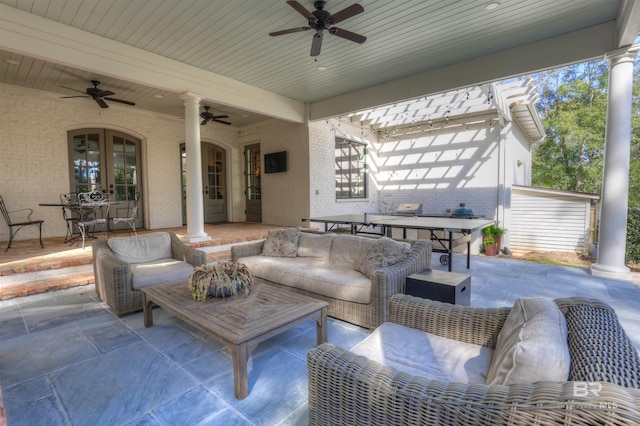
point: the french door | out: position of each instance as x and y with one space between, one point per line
252 190
107 160
214 183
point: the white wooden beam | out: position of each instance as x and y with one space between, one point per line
628 22
577 46
51 41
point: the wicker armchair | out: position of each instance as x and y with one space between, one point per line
114 279
348 389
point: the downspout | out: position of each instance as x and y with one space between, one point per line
496 99
502 164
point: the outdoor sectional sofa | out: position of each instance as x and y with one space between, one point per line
325 267
123 265
600 370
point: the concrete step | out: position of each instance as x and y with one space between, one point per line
68 274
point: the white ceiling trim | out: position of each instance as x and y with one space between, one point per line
48 40
577 46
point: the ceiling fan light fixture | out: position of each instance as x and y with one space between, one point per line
492 6
320 20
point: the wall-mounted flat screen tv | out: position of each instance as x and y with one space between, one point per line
275 162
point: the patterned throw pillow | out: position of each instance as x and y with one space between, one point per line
384 252
282 243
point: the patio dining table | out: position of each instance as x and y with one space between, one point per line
83 210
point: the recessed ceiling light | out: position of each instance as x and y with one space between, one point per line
322 68
245 115
159 96
492 6
12 62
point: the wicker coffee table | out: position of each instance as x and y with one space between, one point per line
240 323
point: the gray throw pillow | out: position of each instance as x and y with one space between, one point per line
384 252
532 345
282 243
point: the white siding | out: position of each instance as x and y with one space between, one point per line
548 222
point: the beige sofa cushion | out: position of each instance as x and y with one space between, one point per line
282 243
532 345
159 271
314 275
347 249
142 248
314 245
382 253
419 353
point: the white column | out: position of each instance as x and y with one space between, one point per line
612 235
195 207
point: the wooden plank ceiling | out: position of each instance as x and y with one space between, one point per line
230 38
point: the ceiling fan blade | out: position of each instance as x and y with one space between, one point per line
77 96
103 93
204 121
346 13
301 9
348 35
289 31
223 122
75 90
119 100
316 44
215 117
101 102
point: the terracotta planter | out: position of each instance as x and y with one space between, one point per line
490 249
498 241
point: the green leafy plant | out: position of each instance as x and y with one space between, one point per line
225 278
633 236
487 230
493 230
488 239
498 232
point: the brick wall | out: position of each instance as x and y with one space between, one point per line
34 165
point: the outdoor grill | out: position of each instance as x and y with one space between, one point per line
409 210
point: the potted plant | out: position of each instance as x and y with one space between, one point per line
223 279
497 235
490 246
496 232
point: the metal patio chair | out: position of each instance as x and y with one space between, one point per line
69 203
131 220
90 204
18 222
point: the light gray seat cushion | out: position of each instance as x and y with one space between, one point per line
142 248
159 271
325 278
423 354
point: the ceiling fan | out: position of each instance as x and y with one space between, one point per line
97 95
321 20
206 116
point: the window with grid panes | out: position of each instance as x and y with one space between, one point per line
351 169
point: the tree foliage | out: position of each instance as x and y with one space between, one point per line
573 106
